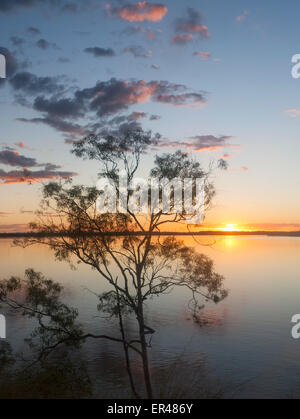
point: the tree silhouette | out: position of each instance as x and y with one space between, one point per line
121 247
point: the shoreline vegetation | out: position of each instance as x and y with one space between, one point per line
162 233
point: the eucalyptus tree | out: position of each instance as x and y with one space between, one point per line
123 247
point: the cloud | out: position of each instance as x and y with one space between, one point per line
70 7
11 5
63 108
208 142
203 55
138 51
33 31
116 95
5 214
181 39
155 118
58 124
133 30
13 228
100 52
28 176
63 60
17 41
199 143
32 84
141 11
8 5
293 112
43 44
191 26
13 158
177 95
20 144
104 99
155 66
242 17
136 116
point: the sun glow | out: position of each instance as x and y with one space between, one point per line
230 227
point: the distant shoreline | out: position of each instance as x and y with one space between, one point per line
170 233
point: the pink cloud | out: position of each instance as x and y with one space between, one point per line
181 39
203 55
20 144
241 17
142 11
293 112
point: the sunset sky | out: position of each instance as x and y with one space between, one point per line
212 77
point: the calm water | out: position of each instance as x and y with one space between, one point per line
246 344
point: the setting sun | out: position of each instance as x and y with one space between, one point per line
230 227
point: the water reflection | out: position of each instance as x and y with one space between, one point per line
137 269
248 350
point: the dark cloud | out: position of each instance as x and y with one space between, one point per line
11 5
8 5
32 84
68 128
116 95
33 31
135 116
50 166
105 99
155 118
62 108
17 41
100 52
43 44
208 142
13 158
28 176
138 51
200 143
70 7
63 60
177 95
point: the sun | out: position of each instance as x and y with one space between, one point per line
230 227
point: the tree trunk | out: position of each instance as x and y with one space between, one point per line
141 322
127 358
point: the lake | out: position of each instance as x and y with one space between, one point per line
242 346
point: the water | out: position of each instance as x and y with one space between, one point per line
245 344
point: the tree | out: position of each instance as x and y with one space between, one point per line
122 247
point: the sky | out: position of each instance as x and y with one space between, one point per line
212 77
